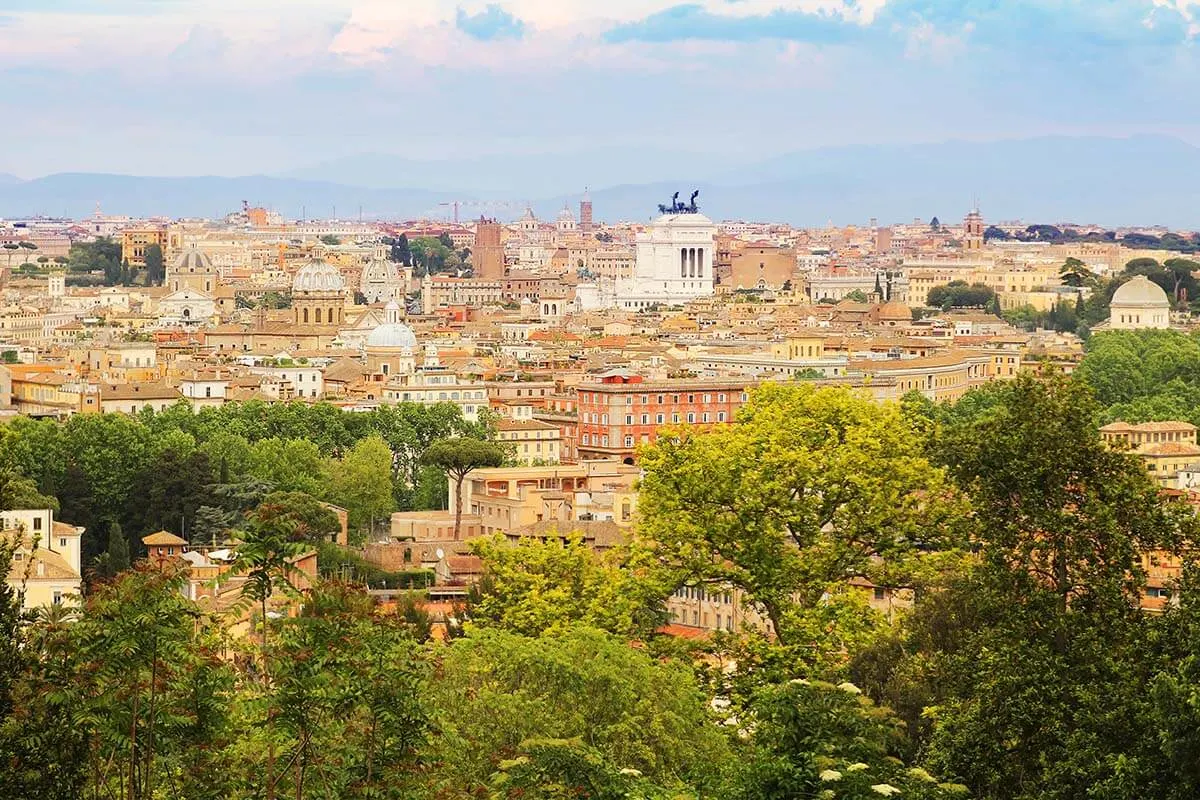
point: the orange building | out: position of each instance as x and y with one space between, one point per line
487 257
623 411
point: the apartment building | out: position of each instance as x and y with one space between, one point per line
621 411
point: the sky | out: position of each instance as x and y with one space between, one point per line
233 87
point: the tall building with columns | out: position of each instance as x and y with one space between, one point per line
674 261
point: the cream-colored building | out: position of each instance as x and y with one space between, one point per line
532 441
46 564
507 498
1166 448
1139 303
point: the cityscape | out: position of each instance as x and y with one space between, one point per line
719 465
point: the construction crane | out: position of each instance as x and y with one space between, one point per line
481 205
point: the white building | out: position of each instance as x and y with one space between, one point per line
186 307
432 383
674 262
382 280
1140 303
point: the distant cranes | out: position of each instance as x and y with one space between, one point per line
445 209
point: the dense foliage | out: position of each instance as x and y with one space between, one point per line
1022 665
196 472
1144 376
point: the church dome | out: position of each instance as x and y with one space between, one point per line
1141 292
895 310
193 259
393 334
318 275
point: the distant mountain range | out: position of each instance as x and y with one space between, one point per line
1110 181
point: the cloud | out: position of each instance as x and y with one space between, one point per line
490 24
820 70
694 21
203 44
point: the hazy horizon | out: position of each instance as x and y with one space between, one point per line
217 87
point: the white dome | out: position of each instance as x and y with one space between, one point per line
380 271
318 276
1141 292
392 335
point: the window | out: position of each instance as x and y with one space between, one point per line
585 438
705 417
629 441
57 597
604 441
629 419
37 523
720 416
691 416
645 419
708 398
660 419
62 541
880 593
604 419
675 417
721 398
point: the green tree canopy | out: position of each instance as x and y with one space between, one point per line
807 489
458 457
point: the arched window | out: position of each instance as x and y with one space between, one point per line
317 315
306 316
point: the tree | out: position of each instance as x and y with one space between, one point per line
115 558
634 712
345 700
1022 664
210 525
957 294
457 458
362 483
1086 512
539 586
809 488
314 521
149 685
1075 273
155 271
1183 271
330 240
401 252
812 738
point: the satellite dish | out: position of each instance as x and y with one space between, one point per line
440 553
